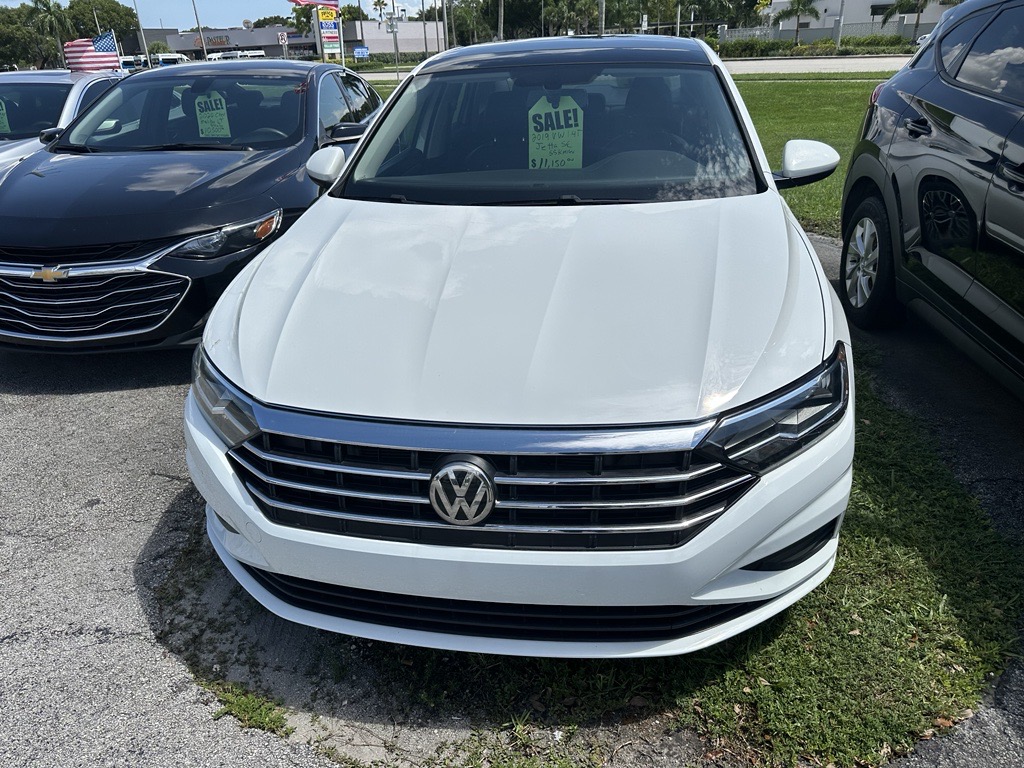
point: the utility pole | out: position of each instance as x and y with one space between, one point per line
839 38
142 35
600 28
199 26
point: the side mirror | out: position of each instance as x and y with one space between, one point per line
50 134
805 162
346 131
326 165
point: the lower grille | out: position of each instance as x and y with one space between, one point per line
595 501
564 623
90 305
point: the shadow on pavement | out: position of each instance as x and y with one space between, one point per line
63 374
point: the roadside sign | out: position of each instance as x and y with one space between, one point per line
327 14
282 38
361 52
643 23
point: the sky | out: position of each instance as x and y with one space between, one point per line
213 13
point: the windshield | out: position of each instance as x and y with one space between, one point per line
566 134
28 108
198 112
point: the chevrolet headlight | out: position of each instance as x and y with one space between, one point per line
229 239
228 410
765 435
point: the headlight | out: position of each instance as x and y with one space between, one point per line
230 239
228 410
769 433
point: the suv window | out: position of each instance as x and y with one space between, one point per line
334 108
959 37
93 91
363 102
995 62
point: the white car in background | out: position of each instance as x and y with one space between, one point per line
31 102
550 370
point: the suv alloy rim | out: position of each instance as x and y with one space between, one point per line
862 262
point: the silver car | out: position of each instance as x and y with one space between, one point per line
31 102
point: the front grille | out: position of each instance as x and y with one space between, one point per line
87 306
78 254
566 623
607 501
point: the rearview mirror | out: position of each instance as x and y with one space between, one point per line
326 165
804 162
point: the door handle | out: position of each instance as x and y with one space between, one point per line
1012 173
917 127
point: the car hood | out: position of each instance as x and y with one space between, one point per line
562 315
57 199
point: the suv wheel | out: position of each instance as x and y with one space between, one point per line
867 268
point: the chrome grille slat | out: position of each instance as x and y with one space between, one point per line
85 300
605 479
347 469
84 315
415 523
672 501
651 499
89 306
309 488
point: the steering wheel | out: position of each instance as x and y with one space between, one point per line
261 134
649 139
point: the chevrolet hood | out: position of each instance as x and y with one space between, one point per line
53 199
560 315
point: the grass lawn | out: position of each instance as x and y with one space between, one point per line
828 110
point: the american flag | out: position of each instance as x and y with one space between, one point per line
93 55
329 3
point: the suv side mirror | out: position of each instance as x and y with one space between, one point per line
804 162
50 134
326 165
346 131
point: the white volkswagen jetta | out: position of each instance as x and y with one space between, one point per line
551 370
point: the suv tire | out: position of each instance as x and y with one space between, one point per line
867 277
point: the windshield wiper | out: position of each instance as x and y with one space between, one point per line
80 148
190 148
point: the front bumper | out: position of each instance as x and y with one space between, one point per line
787 505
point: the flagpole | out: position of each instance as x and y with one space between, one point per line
142 34
199 26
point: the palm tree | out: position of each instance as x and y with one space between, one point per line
902 7
379 6
49 19
798 8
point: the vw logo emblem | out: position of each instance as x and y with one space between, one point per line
462 493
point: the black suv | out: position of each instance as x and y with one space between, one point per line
933 208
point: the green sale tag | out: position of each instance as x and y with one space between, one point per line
212 116
556 134
5 126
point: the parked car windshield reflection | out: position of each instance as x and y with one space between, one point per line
28 108
568 134
202 112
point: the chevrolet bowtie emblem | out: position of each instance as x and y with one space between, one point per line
50 275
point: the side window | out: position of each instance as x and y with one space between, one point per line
958 38
93 92
363 100
995 62
334 108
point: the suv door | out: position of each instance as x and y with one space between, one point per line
995 301
943 154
